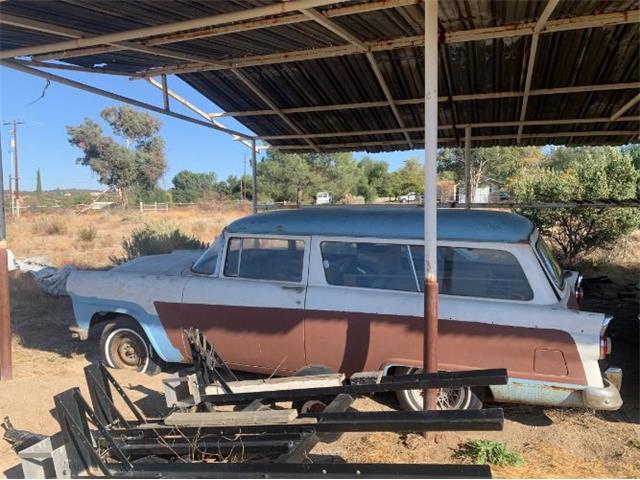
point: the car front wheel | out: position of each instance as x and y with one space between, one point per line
123 344
458 398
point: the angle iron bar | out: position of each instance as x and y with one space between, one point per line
115 96
348 49
101 398
388 383
419 101
168 28
135 410
207 447
341 422
302 470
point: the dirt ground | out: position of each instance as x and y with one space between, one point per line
554 443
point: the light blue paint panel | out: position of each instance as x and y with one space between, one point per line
84 308
388 222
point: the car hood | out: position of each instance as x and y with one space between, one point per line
172 264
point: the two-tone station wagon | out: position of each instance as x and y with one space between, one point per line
341 288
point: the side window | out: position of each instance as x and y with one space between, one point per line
368 265
265 259
477 272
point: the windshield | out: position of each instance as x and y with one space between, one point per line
208 261
550 263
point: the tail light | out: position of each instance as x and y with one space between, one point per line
605 341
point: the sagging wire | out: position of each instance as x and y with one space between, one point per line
44 92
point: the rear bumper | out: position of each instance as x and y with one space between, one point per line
607 397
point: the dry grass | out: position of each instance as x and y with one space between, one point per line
89 239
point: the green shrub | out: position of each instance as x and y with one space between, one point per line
155 239
88 234
488 451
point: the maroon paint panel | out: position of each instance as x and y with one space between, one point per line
263 338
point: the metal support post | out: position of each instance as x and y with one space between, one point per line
165 92
5 312
254 174
467 167
430 360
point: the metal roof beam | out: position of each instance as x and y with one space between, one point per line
533 51
233 28
256 91
616 116
353 40
220 19
167 92
391 44
420 100
114 96
389 131
346 146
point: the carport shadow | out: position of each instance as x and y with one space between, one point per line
153 404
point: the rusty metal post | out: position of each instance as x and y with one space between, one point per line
467 167
5 312
430 196
254 174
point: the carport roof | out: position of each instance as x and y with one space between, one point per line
309 75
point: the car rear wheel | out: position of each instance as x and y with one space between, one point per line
123 344
459 398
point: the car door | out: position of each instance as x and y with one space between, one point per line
363 304
253 310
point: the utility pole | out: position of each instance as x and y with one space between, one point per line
5 312
16 166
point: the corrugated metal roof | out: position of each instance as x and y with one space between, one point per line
589 56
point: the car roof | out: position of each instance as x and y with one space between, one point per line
388 222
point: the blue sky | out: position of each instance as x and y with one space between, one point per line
42 140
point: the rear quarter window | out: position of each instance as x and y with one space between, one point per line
477 272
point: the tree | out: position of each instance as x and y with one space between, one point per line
593 173
374 179
140 162
189 187
38 182
286 177
497 163
408 178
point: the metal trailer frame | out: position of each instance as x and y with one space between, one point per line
98 440
143 448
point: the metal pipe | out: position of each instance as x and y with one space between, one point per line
165 92
5 312
115 96
467 167
254 177
430 360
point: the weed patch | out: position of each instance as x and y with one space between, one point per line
88 234
155 239
488 451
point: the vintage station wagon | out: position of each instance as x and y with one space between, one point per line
340 287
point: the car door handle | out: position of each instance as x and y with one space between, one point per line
296 288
